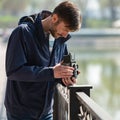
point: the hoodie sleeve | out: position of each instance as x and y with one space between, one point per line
16 61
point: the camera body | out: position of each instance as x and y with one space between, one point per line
68 61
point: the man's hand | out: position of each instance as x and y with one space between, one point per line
69 81
61 71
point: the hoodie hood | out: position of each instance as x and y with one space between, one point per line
32 18
35 19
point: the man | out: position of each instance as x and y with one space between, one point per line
32 69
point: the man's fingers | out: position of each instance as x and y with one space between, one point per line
69 81
74 80
61 71
67 67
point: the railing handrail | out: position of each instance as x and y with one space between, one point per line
92 107
77 104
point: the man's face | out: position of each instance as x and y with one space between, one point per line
58 29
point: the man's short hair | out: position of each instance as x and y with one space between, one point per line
69 13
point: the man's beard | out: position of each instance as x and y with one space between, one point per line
52 32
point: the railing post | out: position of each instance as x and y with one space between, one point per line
55 112
73 101
60 103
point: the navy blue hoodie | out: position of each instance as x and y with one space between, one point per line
30 79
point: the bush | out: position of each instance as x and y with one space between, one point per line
8 21
95 23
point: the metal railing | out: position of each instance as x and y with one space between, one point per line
74 103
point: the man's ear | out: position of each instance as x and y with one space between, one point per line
54 18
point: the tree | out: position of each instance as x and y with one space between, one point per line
111 6
13 7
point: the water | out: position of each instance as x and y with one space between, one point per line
99 64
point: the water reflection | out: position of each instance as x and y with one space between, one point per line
105 81
100 67
93 74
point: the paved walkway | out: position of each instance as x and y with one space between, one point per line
2 79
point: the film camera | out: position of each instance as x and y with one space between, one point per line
68 61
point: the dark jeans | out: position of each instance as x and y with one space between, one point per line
14 117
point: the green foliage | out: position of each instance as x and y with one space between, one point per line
13 6
95 23
8 21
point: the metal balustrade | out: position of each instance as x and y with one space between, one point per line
89 110
74 103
